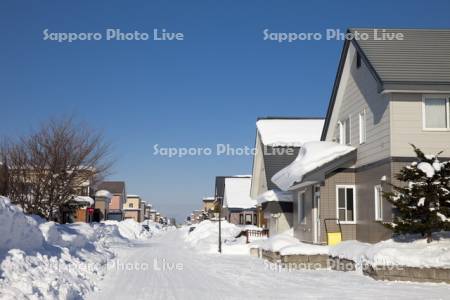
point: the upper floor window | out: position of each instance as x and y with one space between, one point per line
343 134
130 205
362 127
436 112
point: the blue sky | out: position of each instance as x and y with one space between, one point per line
205 90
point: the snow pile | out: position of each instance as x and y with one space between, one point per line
311 156
289 132
409 252
237 193
17 230
47 260
205 236
131 229
286 244
275 196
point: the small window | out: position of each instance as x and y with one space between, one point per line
301 208
254 219
358 60
436 113
241 219
362 127
346 203
130 205
378 203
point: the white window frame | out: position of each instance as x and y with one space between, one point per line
346 186
447 105
378 197
349 124
301 211
341 132
362 127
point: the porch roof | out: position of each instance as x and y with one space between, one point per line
314 161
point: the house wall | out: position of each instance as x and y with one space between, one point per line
234 217
131 214
328 204
279 223
304 232
259 181
358 91
407 127
367 229
116 202
132 202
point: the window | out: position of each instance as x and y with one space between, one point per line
248 219
345 203
241 219
301 208
347 131
254 219
436 112
378 203
358 60
130 205
362 127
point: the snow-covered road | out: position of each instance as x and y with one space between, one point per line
210 276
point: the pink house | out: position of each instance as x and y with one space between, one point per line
117 189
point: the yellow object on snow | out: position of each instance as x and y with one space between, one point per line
334 238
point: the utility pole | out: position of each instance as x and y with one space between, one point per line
220 224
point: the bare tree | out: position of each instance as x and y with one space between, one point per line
49 167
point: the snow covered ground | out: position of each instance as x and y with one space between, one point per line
153 275
46 260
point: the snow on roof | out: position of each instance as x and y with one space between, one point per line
103 193
84 199
311 156
289 132
133 196
237 193
275 196
209 199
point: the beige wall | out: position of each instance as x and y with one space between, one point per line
279 224
132 202
407 127
358 91
131 214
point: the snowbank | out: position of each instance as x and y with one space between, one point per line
47 260
286 244
131 229
17 230
205 236
289 132
311 156
411 252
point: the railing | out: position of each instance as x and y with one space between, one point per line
254 233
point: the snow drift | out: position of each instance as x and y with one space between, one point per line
47 260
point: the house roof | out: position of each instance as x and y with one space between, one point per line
422 56
237 193
220 184
420 61
279 132
115 187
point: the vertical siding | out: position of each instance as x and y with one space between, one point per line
407 127
360 92
304 232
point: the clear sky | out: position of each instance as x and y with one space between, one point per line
205 90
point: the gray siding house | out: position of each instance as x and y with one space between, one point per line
387 95
278 140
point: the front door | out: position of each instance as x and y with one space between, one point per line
316 214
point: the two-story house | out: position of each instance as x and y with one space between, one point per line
132 208
387 95
117 189
278 140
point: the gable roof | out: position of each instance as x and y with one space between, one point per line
422 56
420 61
279 132
114 187
237 193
